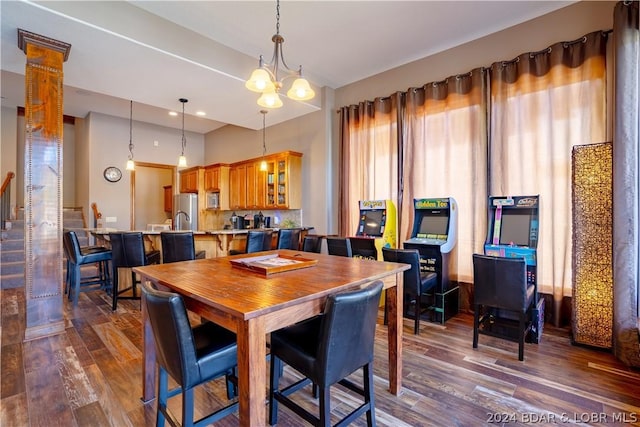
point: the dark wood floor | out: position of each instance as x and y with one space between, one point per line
91 376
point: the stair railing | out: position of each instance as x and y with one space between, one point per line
5 200
96 214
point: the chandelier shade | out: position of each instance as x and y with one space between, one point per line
269 77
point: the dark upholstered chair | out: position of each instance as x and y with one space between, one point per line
190 356
179 246
77 257
363 247
128 251
258 240
416 283
340 246
501 284
289 238
312 243
325 350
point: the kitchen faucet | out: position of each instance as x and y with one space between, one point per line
176 224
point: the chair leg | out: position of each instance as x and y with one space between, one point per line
325 407
476 324
187 408
114 289
163 396
521 332
369 395
76 283
274 369
416 325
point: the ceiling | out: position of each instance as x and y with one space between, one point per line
155 52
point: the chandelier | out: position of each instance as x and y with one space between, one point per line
269 76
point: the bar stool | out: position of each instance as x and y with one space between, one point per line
340 246
76 257
289 238
128 251
179 246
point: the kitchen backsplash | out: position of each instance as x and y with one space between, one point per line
217 220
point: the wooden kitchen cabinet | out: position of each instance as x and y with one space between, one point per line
216 180
168 198
238 186
190 179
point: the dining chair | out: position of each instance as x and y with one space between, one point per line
128 251
340 246
76 258
289 238
258 240
416 283
500 283
312 243
326 350
179 246
190 356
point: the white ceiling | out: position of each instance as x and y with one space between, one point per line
155 52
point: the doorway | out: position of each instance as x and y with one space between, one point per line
148 182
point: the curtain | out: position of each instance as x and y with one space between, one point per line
444 148
369 157
542 104
626 182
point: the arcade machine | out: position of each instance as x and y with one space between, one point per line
513 232
434 236
376 229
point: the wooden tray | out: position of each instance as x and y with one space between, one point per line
273 263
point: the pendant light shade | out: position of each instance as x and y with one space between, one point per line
182 160
270 99
130 164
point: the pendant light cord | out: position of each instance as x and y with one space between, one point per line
131 130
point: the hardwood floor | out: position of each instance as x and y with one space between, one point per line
91 376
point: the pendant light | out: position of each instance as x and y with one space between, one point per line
263 163
130 163
182 160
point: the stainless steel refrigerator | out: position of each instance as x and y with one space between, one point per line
185 212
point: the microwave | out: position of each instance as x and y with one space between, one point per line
213 200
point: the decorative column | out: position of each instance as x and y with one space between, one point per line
592 185
43 183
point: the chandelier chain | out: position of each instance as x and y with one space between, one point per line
278 17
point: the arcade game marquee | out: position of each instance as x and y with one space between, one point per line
434 236
376 229
513 232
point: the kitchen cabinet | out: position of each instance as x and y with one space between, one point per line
168 199
190 179
216 182
238 186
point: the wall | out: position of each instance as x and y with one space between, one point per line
309 135
316 135
109 146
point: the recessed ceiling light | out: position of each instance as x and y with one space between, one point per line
200 113
173 113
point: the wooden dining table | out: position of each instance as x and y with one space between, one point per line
252 304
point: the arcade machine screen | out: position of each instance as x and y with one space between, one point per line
435 223
515 228
373 223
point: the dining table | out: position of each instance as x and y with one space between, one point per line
252 302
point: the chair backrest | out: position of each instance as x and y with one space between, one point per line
347 332
289 238
501 282
340 246
177 246
127 249
258 240
312 243
71 246
411 277
363 247
175 346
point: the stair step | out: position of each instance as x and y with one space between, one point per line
14 267
11 256
11 281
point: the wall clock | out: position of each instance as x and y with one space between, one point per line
112 174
